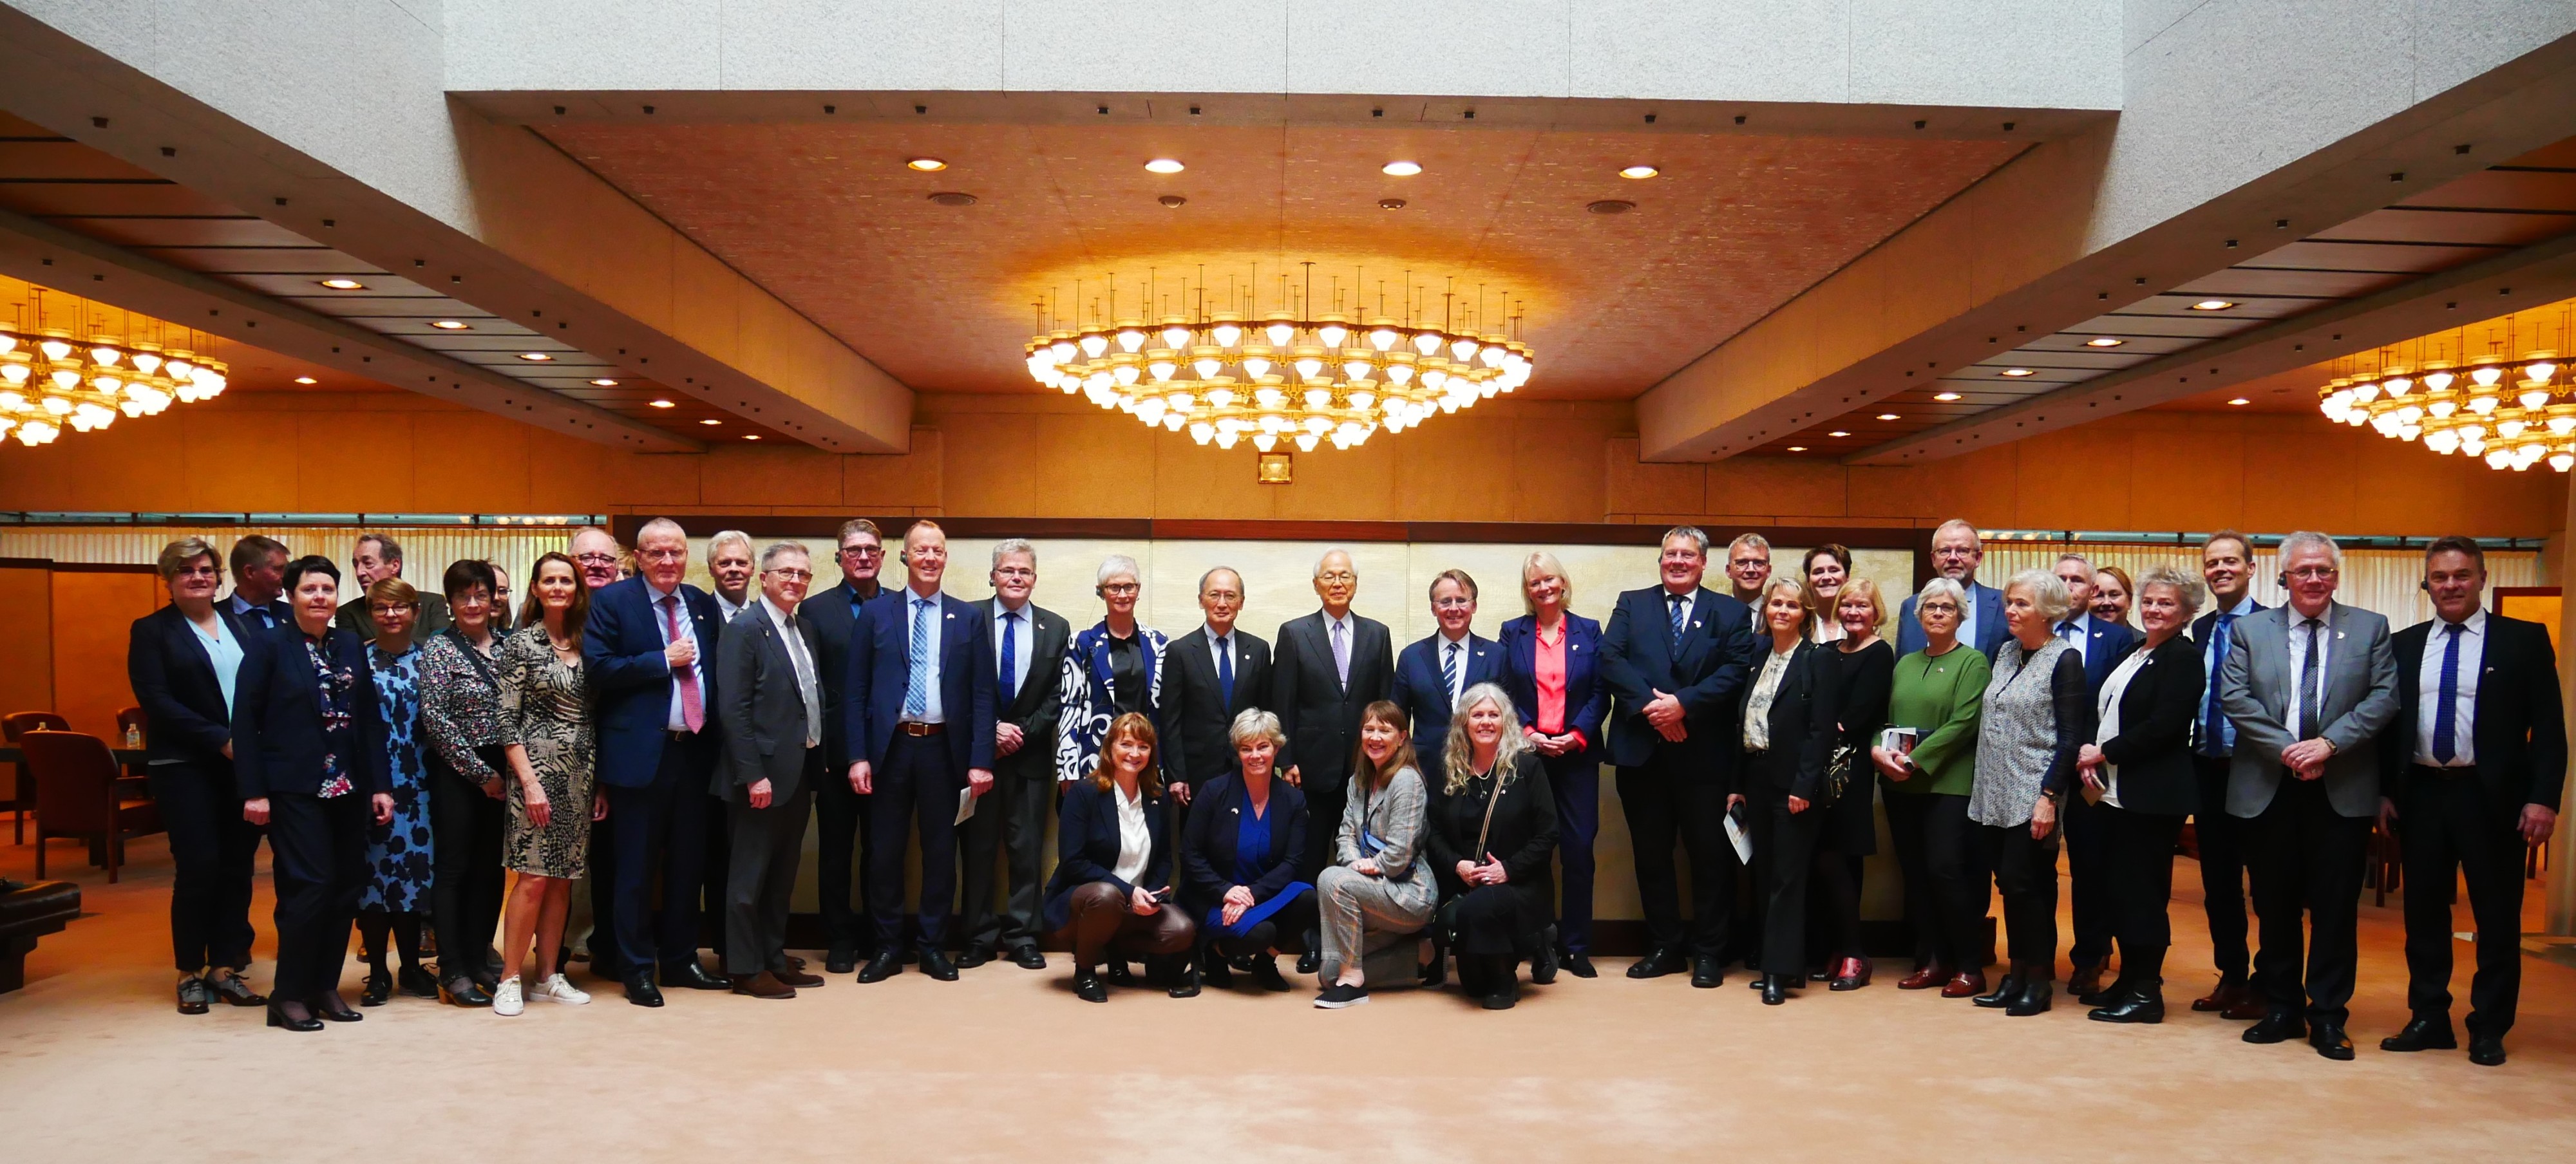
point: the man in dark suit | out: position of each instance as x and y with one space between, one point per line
1210 676
2227 565
1028 649
1748 566
841 815
647 650
772 710
1329 667
917 703
2476 762
1431 674
376 558
1674 657
2088 848
2309 687
259 579
1957 551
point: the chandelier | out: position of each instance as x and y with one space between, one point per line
64 364
2508 406
1310 372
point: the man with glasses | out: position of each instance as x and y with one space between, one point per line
1329 667
598 555
1212 675
1431 674
1028 644
1748 566
1956 553
2309 687
840 815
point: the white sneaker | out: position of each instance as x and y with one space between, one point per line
558 989
506 1001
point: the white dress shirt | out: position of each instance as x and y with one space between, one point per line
806 685
726 610
1135 841
931 711
678 720
2464 708
1021 647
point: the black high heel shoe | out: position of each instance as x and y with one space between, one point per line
1775 990
292 1016
331 1007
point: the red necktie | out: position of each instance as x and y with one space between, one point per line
693 710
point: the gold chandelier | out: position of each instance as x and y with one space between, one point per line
68 362
2508 404
1309 372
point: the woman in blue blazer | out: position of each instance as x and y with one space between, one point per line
1111 894
183 661
1550 668
309 754
1241 851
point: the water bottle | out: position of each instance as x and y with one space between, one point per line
133 736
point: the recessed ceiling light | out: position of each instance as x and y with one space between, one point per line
2104 341
535 357
2240 401
1797 448
344 284
1639 172
1165 166
605 382
1945 396
1401 169
751 436
2016 372
450 324
1887 416
927 165
710 420
2213 305
306 380
664 404
1838 433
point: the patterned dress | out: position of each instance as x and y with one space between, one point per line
544 699
398 852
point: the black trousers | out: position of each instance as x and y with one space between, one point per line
1576 781
2026 875
1009 824
841 842
1297 917
914 787
765 845
660 832
1784 845
1493 921
466 880
1945 886
2307 857
214 851
716 867
1668 800
2450 835
320 869
2140 866
2088 877
2221 839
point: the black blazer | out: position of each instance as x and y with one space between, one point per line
1039 702
1195 705
1523 835
832 613
1707 669
1803 726
1086 848
2153 748
278 737
1207 843
2520 729
174 681
1320 715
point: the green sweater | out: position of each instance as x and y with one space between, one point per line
1943 696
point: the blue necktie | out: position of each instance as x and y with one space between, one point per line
1449 672
1225 667
2217 735
1010 655
1681 613
2445 745
916 691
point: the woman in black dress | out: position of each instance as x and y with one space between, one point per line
1849 832
1492 839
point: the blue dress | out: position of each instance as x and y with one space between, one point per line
1251 848
398 853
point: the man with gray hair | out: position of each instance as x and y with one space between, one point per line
772 710
1330 666
1028 642
729 567
377 557
1956 553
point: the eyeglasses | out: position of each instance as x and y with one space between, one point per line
863 551
793 575
594 560
1337 576
2313 573
200 572
1122 588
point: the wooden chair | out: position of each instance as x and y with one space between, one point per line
22 792
76 796
137 780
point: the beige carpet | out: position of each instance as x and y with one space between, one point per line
94 1066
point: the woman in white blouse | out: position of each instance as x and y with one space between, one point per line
2139 765
1111 895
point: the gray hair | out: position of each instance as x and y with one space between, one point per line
1755 540
1255 723
660 525
1213 571
1698 537
387 549
1459 755
2308 540
1940 587
2079 560
778 550
2047 592
1009 546
1346 556
1961 523
2186 585
716 545
1115 565
184 551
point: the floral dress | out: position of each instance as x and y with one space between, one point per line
545 702
398 852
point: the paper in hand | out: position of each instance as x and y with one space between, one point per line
1739 836
965 804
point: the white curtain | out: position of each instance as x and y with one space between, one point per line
2380 580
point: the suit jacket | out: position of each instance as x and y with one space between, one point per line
763 708
2519 728
1587 698
2201 629
277 610
2361 699
1038 703
1208 849
630 680
278 735
2153 749
1195 708
1803 726
1425 698
880 669
1705 668
357 618
1989 603
833 614
1319 713
1086 848
2106 643
184 717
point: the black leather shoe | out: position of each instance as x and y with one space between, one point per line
1706 974
2131 1007
2276 1027
194 998
1657 963
972 957
886 964
935 963
1185 983
840 960
1580 966
379 987
2035 998
2486 1050
1505 985
1775 989
230 987
2003 994
1307 963
1028 958
292 1016
415 982
1543 965
1266 972
2329 1040
693 976
1434 974
1216 972
2423 1034
1088 987
1116 973
330 1007
641 991
463 991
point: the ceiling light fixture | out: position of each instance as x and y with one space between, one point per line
1945 397
50 380
1797 448
1838 433
1400 169
1888 416
535 357
751 436
1639 172
1165 166
710 420
306 380
2240 402
605 382
344 284
927 165
2512 410
2104 341
664 404
451 325
2017 372
2213 305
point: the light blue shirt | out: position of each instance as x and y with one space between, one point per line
1967 613
224 650
679 720
931 712
256 617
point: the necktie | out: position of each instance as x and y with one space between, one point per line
1225 668
1010 685
1681 613
916 688
2445 716
2309 696
2067 631
808 684
1342 655
2217 736
1449 672
693 708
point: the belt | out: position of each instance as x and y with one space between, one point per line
681 735
2446 770
913 728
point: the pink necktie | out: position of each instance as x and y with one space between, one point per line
693 710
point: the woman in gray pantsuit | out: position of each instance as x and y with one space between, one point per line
1376 893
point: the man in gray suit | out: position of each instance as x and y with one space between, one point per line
770 700
2309 686
1028 648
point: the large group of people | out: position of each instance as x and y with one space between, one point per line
1222 801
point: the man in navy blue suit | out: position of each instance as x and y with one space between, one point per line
650 649
917 700
1956 554
2227 565
2103 645
1431 674
1674 657
259 578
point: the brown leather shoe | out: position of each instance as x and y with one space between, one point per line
762 985
2225 996
1851 974
1967 984
796 976
2087 979
1925 977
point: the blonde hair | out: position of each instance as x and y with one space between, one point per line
1459 754
1862 588
1546 565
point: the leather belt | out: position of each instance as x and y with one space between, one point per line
912 728
2445 770
679 734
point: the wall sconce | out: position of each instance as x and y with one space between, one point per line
1275 469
